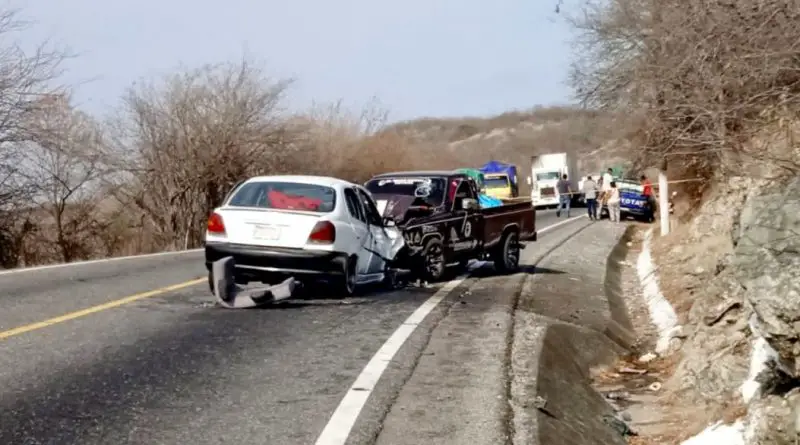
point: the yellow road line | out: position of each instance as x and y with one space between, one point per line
98 308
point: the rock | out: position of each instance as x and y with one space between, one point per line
720 310
767 264
772 421
647 358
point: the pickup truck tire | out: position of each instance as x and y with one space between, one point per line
433 265
506 256
345 285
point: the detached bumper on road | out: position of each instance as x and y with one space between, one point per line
276 260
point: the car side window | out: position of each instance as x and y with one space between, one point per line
353 206
373 215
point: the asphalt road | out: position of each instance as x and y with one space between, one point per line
168 368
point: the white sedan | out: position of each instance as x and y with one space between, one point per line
312 228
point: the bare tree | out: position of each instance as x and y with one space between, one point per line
25 77
63 165
186 140
704 79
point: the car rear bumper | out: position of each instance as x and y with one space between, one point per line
258 260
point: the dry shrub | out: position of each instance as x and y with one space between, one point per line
701 78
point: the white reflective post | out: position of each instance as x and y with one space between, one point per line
663 202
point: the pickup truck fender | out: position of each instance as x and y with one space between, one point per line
512 226
416 238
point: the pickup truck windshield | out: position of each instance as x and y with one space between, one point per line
431 190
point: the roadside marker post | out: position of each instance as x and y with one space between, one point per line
663 201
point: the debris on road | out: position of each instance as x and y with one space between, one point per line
618 395
655 386
619 425
232 296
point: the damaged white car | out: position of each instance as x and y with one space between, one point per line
306 228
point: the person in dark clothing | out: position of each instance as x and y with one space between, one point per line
564 195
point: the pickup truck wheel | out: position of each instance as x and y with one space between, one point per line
345 285
433 261
507 256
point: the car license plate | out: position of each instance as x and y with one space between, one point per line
266 233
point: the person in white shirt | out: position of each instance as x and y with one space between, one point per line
613 202
607 179
590 195
605 186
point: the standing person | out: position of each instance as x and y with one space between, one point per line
647 192
590 194
613 202
605 184
608 178
564 195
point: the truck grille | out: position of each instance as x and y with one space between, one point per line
547 191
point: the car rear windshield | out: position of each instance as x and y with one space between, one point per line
429 190
285 196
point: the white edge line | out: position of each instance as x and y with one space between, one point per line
337 430
101 260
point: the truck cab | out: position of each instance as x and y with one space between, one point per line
500 180
543 188
546 170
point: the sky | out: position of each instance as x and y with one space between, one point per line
418 57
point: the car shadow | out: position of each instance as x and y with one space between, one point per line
489 271
540 270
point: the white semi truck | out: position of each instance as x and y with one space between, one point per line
546 170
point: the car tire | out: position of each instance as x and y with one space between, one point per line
434 264
506 257
345 285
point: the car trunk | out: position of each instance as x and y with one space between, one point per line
263 227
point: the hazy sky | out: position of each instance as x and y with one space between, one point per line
420 57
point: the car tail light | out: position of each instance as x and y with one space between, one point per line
215 224
324 232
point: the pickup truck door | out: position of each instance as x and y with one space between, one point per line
466 227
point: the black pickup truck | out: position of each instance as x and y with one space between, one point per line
444 224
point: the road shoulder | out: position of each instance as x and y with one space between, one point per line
458 392
567 316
